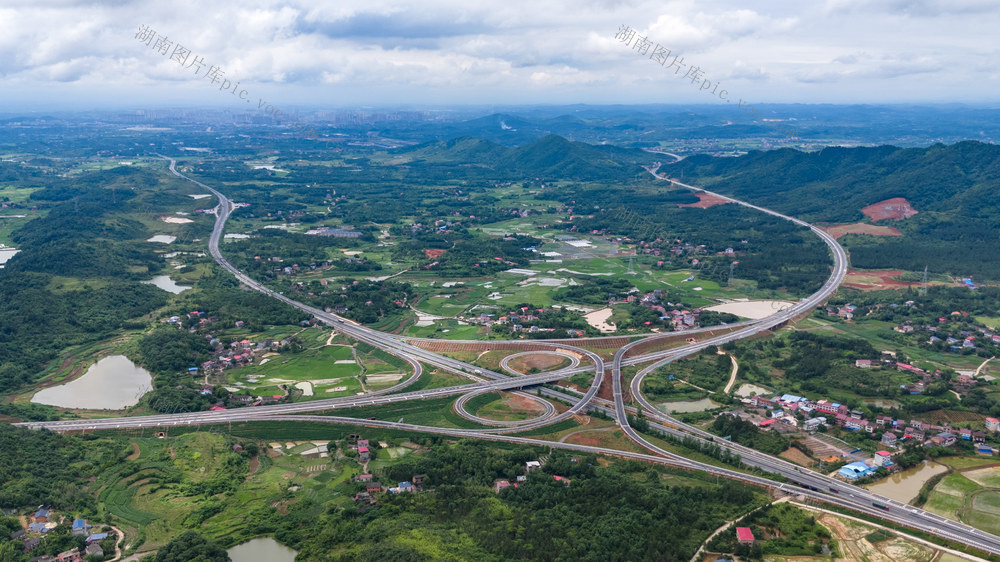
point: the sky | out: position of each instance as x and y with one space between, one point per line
60 54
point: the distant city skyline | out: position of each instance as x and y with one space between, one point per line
57 54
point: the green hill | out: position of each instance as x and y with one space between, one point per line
551 157
953 188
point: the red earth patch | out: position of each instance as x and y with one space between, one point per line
433 254
875 280
705 200
838 230
893 209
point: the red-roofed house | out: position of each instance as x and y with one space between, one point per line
992 424
363 453
744 535
767 422
881 457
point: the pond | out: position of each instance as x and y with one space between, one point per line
685 406
747 389
905 485
167 284
263 549
113 383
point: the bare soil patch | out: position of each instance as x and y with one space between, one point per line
838 230
433 253
875 280
705 201
540 361
893 209
796 456
135 451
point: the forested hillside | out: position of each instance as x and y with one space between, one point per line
953 189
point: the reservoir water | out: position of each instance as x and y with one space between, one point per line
905 485
113 383
167 284
262 549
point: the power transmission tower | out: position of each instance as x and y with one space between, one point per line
923 284
732 266
630 271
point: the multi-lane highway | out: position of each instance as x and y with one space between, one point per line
805 482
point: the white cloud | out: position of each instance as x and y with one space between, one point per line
404 50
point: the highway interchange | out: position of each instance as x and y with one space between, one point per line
800 481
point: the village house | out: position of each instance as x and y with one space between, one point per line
744 535
500 484
889 439
72 555
881 458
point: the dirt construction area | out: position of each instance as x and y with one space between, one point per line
875 280
893 209
853 544
705 201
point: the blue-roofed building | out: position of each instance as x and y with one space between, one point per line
38 528
791 399
80 527
97 537
856 470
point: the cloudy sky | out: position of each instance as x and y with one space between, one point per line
347 53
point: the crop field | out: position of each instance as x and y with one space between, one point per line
972 497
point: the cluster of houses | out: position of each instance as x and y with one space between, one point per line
956 342
44 521
373 487
784 408
503 483
524 319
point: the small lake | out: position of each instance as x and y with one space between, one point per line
113 383
905 485
685 406
263 549
747 389
167 284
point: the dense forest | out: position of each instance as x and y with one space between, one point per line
45 468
